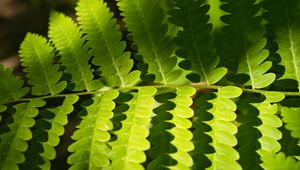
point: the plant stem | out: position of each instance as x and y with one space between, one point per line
195 85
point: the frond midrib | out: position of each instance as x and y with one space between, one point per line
108 48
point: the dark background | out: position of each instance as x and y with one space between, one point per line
17 17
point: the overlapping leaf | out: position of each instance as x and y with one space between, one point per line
147 23
90 149
270 122
223 130
67 38
13 143
182 136
245 43
194 41
37 58
46 135
131 143
284 19
104 38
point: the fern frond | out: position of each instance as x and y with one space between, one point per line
13 143
284 19
223 130
104 38
11 86
148 27
90 149
291 116
131 143
194 41
56 118
182 136
270 122
69 41
279 161
36 56
245 43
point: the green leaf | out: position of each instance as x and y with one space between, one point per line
291 118
274 96
90 149
57 118
182 136
270 123
223 130
286 30
104 38
278 161
194 41
146 22
67 38
37 54
243 36
13 143
11 86
128 149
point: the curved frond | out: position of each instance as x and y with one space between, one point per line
11 86
90 149
284 19
69 41
245 43
147 24
291 116
36 56
131 143
195 40
13 143
270 123
56 118
104 37
182 135
223 130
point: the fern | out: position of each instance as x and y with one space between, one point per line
57 118
291 117
93 146
146 22
203 92
38 56
105 40
285 28
244 33
128 149
13 143
74 53
195 41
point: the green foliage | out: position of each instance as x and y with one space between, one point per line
37 54
195 41
285 28
208 88
104 38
